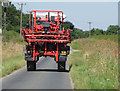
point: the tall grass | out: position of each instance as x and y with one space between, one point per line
12 36
96 65
106 37
12 64
11 50
12 53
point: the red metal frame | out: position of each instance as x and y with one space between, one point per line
58 36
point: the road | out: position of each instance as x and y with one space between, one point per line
45 77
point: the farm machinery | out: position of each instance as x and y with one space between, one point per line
45 36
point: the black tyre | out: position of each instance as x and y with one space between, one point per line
61 66
31 65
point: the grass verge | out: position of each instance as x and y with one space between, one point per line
12 53
96 65
12 64
106 37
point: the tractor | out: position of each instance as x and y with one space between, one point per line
45 36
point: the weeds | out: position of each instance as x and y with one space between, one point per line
12 64
96 65
12 53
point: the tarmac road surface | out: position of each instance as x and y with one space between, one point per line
46 76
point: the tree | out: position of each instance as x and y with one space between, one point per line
113 29
86 34
93 31
66 25
98 31
13 18
9 27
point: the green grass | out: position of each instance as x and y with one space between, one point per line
12 53
106 37
12 64
12 36
96 65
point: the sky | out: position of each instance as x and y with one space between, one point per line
101 14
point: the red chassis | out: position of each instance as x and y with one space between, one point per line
46 37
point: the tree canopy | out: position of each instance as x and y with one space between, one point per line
13 18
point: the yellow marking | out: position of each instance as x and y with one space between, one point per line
28 51
63 52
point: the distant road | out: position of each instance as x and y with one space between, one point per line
45 77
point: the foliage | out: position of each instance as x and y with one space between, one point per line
13 18
66 25
12 54
95 65
13 36
97 31
79 33
113 29
112 37
12 64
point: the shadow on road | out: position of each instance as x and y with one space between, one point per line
50 70
54 70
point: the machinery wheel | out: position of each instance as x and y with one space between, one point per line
31 65
61 66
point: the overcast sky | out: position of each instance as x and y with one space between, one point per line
101 14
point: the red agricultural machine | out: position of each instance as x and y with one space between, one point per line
46 37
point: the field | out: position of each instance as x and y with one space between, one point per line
95 66
12 55
106 37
